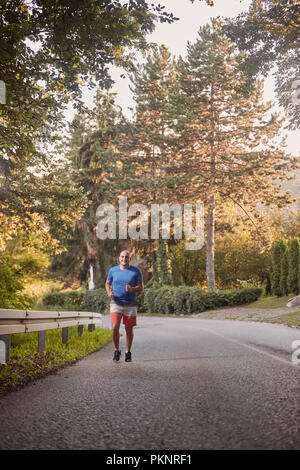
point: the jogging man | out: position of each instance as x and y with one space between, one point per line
123 281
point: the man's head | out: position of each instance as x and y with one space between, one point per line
124 258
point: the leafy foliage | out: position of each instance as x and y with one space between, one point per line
220 125
68 300
96 301
278 250
285 269
47 51
269 32
94 154
11 285
294 273
187 300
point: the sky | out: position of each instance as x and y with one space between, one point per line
175 36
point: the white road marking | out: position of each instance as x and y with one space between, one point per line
253 348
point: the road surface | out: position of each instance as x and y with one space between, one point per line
193 384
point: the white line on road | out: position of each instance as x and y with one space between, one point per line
261 351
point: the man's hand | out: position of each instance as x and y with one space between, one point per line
108 290
138 288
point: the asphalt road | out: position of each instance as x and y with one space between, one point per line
193 384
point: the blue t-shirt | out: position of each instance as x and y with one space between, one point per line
120 277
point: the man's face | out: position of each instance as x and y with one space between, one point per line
124 258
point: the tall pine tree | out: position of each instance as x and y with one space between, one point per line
148 148
224 144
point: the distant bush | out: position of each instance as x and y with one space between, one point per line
96 300
68 299
168 300
140 297
186 300
11 284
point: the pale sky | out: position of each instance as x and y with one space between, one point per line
175 36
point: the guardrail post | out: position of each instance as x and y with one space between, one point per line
65 335
4 349
80 330
41 340
91 327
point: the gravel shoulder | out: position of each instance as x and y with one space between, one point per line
248 314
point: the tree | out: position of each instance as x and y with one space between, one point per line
74 44
284 269
148 148
287 224
293 277
188 267
148 151
277 251
269 32
94 151
45 196
220 126
12 274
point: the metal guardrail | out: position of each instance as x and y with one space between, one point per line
26 321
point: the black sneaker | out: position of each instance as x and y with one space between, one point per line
128 357
117 355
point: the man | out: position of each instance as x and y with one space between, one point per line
126 281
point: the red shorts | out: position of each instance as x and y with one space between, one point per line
127 312
127 320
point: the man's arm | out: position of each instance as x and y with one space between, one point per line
108 289
138 288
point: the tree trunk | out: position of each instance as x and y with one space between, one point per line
210 244
210 229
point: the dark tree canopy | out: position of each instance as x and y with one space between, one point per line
269 32
75 43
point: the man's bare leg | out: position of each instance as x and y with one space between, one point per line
129 337
115 330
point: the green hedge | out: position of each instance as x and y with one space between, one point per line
168 300
187 300
68 299
96 300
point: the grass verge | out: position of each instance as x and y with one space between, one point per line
270 302
27 365
289 319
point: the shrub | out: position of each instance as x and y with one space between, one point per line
140 301
90 301
11 286
68 299
186 300
167 300
96 300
